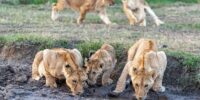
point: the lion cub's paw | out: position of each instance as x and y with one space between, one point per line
159 22
162 89
54 85
132 23
36 77
110 81
159 89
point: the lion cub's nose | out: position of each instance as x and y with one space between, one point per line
140 98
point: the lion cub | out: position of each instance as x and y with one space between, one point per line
135 12
83 7
60 64
101 62
146 67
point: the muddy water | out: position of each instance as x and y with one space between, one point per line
15 84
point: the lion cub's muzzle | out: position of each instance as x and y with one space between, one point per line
79 93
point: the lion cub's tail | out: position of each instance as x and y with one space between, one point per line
36 62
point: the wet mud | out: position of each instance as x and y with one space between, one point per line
16 82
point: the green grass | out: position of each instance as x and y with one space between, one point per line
188 60
86 47
161 3
16 2
43 42
164 2
154 2
185 26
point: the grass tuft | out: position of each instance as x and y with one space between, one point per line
86 47
42 42
188 60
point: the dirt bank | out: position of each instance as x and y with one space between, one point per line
16 82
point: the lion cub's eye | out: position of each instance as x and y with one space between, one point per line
83 81
74 81
93 72
67 66
146 85
136 85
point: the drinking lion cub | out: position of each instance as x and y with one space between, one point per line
146 67
101 62
60 64
83 6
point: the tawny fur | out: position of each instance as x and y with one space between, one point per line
60 64
145 66
101 62
83 7
135 12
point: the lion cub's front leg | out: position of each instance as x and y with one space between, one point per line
83 10
50 80
131 17
158 87
106 80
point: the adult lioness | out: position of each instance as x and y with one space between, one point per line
101 62
83 6
146 67
135 12
60 64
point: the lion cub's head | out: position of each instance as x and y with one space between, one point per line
75 76
142 81
75 79
93 69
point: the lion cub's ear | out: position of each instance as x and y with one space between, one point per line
101 65
86 60
91 52
134 70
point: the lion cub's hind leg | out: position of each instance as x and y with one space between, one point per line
155 17
104 17
35 66
143 22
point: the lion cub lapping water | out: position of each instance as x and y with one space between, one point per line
101 62
83 6
146 67
60 64
135 12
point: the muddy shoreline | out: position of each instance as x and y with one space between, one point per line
16 82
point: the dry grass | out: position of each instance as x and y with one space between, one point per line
181 31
